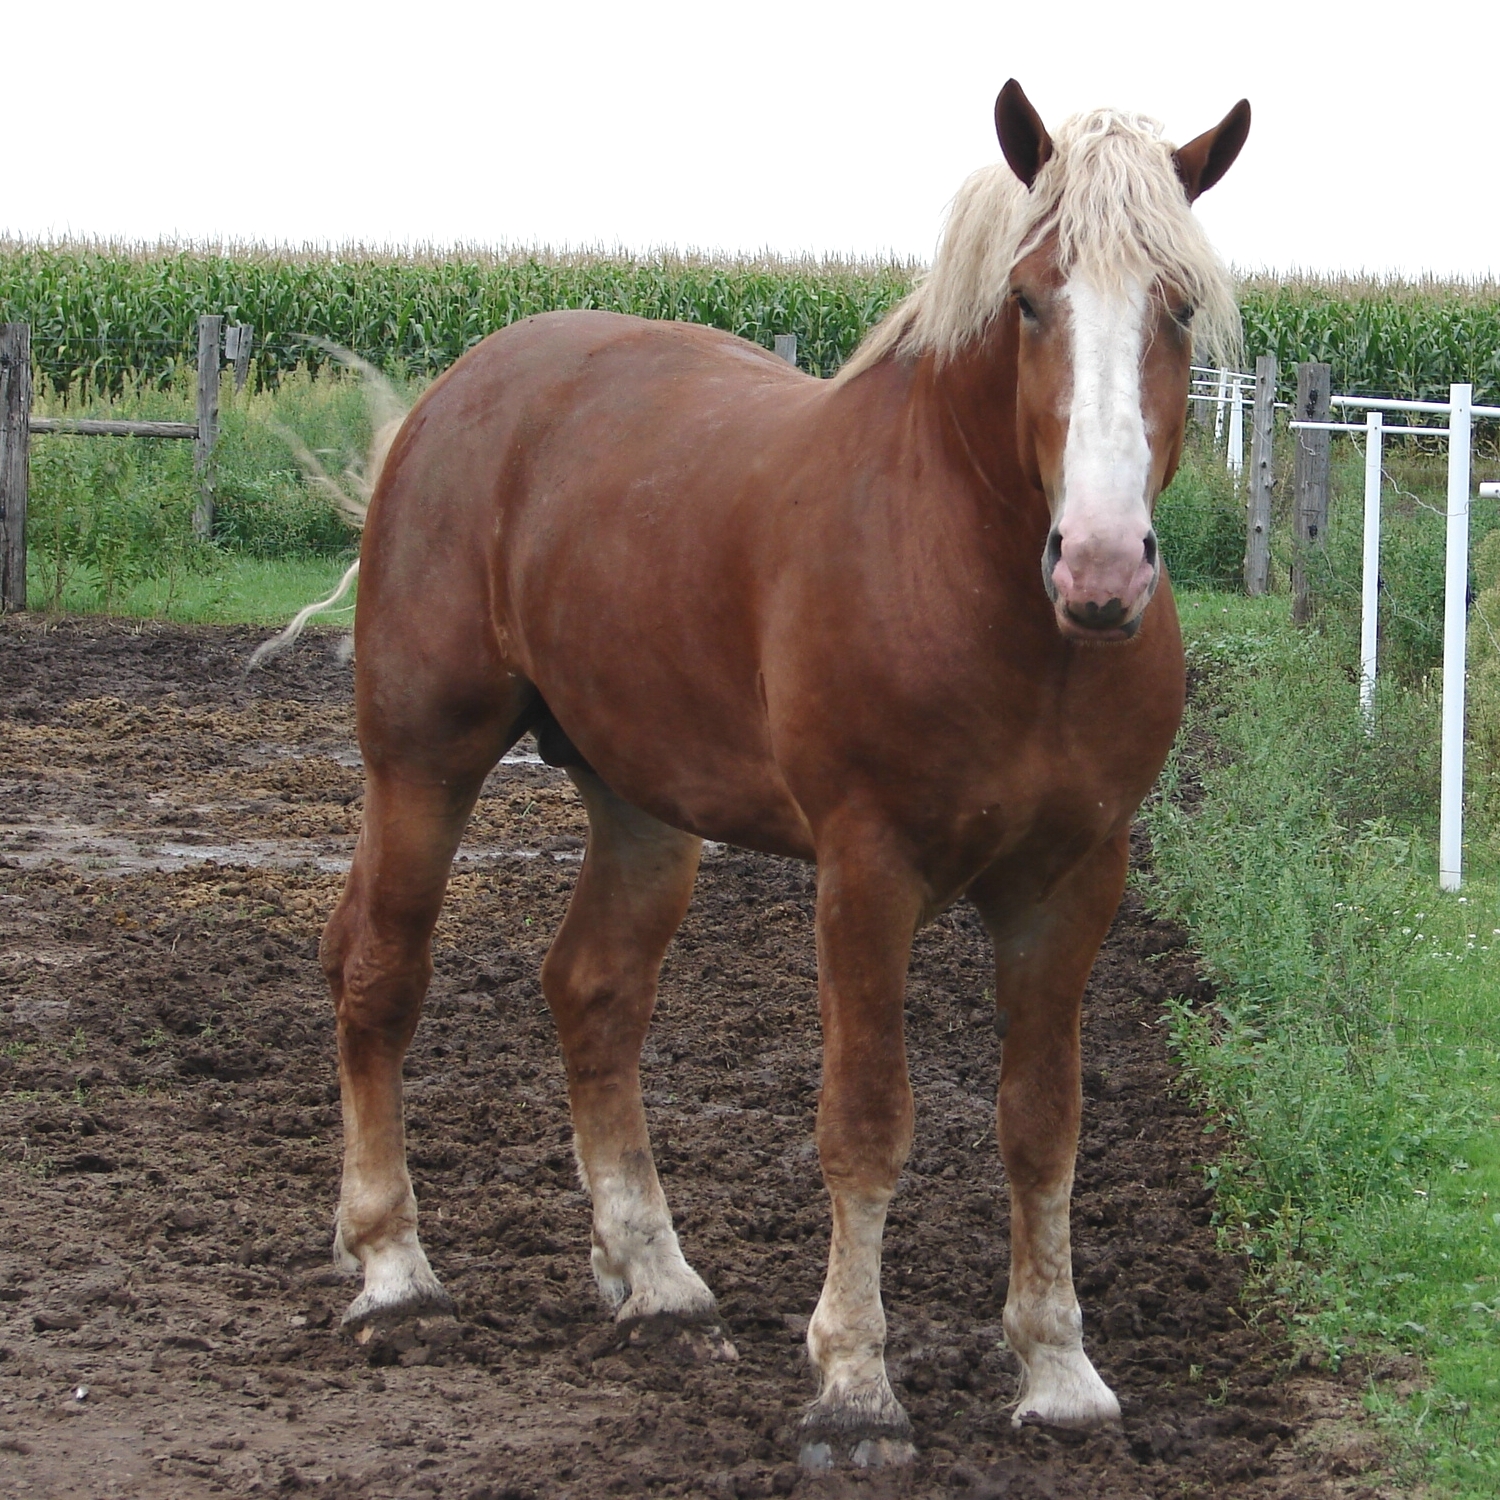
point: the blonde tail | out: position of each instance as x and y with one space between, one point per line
350 493
279 643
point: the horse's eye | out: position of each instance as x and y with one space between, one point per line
1027 310
1184 314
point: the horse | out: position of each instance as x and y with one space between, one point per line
910 624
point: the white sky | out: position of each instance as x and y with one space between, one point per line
824 127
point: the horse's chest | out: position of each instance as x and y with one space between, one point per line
1066 776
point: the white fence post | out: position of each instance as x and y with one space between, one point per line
1236 455
1455 641
1369 609
1460 411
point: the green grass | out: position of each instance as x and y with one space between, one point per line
109 528
1200 519
225 589
1353 1054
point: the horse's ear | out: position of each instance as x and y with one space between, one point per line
1023 137
1206 158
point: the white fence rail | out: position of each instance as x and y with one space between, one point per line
1225 391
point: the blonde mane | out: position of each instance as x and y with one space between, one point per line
1111 195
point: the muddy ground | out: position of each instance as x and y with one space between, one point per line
171 840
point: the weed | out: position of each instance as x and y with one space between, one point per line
1351 1053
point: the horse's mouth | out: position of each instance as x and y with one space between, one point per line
1101 626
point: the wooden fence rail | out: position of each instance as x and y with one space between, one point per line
88 427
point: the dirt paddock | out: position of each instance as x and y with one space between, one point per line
171 840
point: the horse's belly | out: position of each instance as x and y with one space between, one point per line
696 759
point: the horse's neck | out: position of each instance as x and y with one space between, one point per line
967 411
975 390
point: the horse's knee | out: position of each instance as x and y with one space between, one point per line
377 986
864 1133
335 946
597 1001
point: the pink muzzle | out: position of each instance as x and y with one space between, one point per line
1100 584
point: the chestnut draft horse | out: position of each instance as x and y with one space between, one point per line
909 623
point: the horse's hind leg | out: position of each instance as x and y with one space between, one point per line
600 981
376 954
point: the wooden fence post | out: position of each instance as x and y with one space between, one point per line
1202 411
786 347
1262 479
1309 484
15 446
239 340
210 331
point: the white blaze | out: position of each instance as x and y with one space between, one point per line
1107 458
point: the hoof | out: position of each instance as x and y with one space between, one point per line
841 1438
1061 1388
819 1454
688 1340
368 1313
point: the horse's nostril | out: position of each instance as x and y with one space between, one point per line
1051 556
1098 616
1150 549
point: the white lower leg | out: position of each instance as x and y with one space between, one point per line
637 1259
379 1235
1059 1385
846 1337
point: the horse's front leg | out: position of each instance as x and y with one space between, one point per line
1044 952
867 912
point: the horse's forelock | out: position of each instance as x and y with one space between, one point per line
1110 195
1120 214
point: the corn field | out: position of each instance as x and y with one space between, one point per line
1408 339
105 316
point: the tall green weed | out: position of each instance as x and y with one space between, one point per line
1351 1052
1200 519
107 514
